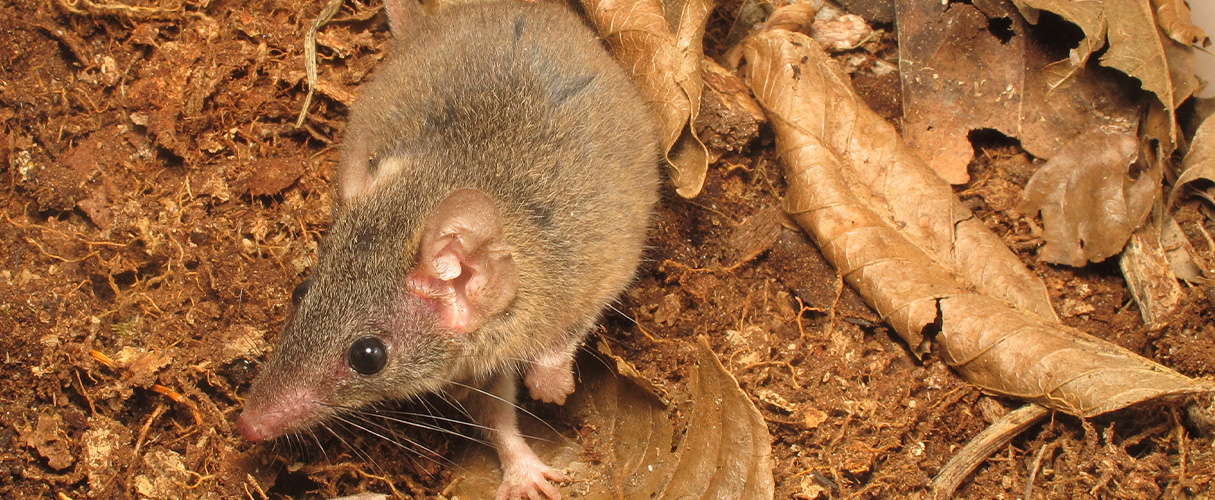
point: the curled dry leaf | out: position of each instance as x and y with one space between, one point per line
792 17
727 439
1090 203
845 32
1139 48
723 450
897 234
1199 162
665 63
1174 18
882 172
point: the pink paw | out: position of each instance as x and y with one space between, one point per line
550 384
530 480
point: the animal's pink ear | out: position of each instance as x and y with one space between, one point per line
464 264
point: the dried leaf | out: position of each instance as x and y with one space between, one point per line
726 452
723 452
852 182
1090 203
792 17
1199 162
1137 48
163 476
1054 113
106 450
141 365
480 473
842 33
665 63
49 439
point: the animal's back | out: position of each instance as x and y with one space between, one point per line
521 101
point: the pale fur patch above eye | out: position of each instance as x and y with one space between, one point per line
388 168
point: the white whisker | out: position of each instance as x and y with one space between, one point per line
437 457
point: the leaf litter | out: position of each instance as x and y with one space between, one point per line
1014 350
1003 80
182 251
1139 35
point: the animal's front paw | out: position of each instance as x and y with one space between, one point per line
530 479
550 380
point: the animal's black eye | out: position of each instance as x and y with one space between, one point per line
368 355
300 290
240 371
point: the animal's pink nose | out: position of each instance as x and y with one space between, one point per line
250 430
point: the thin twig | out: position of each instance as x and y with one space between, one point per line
325 16
982 446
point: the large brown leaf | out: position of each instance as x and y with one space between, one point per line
1140 48
885 173
662 47
873 208
956 77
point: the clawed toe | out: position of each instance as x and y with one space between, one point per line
532 482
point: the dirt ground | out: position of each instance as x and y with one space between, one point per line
159 205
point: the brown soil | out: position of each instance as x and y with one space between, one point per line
159 206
